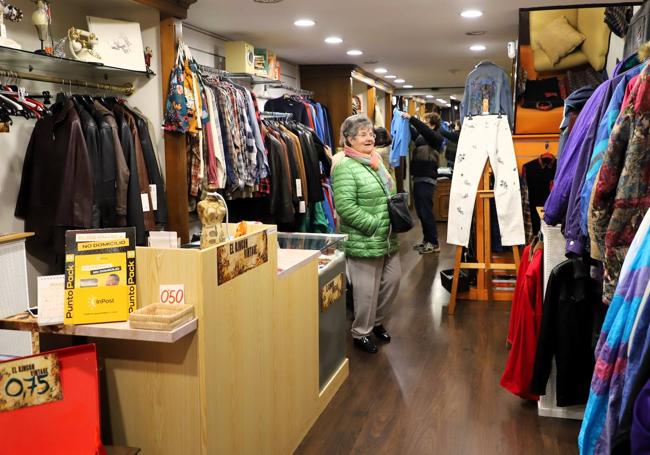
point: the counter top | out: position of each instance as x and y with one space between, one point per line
115 330
289 260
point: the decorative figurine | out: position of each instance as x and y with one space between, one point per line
148 53
12 14
81 45
42 19
212 211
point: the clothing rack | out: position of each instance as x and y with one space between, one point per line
277 115
255 80
126 89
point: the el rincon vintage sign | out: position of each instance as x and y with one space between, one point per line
31 381
332 291
240 256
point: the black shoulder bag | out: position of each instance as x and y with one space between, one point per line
398 209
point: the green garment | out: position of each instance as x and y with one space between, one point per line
361 204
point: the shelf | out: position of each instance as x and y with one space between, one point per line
114 330
255 79
21 60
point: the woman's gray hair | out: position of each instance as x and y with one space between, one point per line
352 125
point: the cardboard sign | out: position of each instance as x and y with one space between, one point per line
241 255
30 382
99 276
332 291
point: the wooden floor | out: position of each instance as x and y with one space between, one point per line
435 388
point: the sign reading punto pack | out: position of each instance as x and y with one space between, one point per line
99 275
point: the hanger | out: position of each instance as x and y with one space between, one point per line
547 154
61 96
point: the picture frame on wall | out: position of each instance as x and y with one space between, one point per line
120 42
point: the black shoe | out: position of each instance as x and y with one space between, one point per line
381 333
366 344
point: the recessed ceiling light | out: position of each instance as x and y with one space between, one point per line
304 23
471 13
429 96
440 100
390 76
407 86
381 70
452 97
354 52
399 81
333 40
477 47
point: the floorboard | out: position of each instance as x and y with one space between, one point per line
435 388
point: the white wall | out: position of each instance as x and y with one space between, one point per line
615 54
148 96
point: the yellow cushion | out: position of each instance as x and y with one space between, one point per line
544 65
558 39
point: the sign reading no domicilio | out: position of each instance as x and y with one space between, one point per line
30 381
241 255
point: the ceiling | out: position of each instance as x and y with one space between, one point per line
421 41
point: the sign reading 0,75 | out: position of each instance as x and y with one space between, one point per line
31 381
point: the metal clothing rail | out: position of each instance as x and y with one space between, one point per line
126 89
255 80
277 115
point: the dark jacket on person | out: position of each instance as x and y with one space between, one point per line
424 160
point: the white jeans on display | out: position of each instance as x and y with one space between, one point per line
482 137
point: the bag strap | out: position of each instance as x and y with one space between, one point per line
374 174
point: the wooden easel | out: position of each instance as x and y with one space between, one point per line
485 265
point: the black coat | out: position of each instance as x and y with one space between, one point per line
571 318
56 190
155 177
134 213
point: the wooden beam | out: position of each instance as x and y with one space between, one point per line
169 8
175 147
372 100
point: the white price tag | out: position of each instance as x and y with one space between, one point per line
302 207
299 187
145 202
153 191
172 293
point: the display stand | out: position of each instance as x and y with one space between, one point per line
554 246
247 380
485 265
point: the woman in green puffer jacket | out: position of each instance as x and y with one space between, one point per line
361 183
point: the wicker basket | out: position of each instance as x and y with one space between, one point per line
161 316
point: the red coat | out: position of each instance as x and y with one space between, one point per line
525 322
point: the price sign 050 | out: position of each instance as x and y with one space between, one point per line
29 382
172 293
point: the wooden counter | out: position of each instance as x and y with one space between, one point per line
246 382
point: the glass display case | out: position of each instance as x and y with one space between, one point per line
332 285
